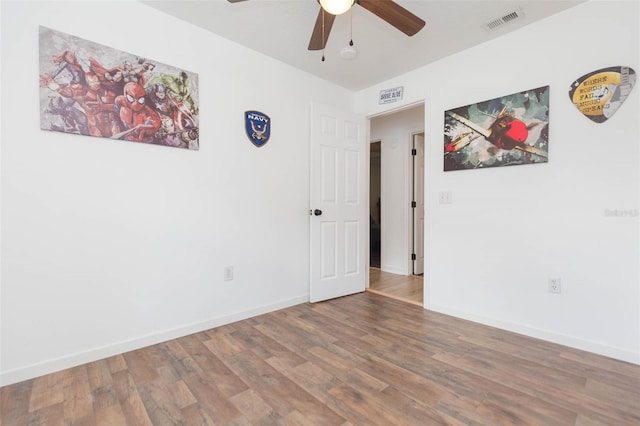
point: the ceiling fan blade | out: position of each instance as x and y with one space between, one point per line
235 1
317 42
394 14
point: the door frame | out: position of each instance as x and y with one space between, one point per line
426 303
412 221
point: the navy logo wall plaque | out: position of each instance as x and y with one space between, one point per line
258 127
599 94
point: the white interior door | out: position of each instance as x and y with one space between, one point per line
339 203
418 211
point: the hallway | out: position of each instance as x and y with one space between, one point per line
400 287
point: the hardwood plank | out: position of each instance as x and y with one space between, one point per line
291 336
411 384
414 409
353 402
49 415
129 399
110 415
140 365
406 288
179 359
264 346
359 404
563 388
116 363
179 393
345 368
361 359
161 409
222 338
278 391
212 367
254 409
101 385
612 395
78 399
320 384
212 401
195 415
47 391
14 403
521 408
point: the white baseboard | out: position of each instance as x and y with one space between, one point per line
53 365
393 270
573 342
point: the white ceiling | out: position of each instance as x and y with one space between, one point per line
281 29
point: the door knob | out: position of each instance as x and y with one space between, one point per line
317 212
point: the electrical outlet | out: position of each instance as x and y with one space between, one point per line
555 285
444 197
228 273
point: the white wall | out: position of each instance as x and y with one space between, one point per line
110 245
491 252
394 131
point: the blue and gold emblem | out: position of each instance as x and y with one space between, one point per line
258 127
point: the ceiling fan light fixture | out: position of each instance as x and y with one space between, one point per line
336 7
348 53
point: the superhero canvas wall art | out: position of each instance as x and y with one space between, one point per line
510 130
90 89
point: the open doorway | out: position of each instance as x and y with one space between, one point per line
395 137
374 205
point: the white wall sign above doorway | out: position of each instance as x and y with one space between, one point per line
388 96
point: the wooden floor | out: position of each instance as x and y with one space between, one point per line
361 359
400 287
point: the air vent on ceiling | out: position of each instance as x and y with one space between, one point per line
494 23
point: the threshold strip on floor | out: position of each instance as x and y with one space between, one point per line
391 296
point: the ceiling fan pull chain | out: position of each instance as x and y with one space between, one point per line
323 39
351 22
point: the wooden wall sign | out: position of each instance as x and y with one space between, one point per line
599 94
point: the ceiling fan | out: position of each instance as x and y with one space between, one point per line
388 10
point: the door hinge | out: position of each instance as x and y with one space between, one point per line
414 151
413 256
414 205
